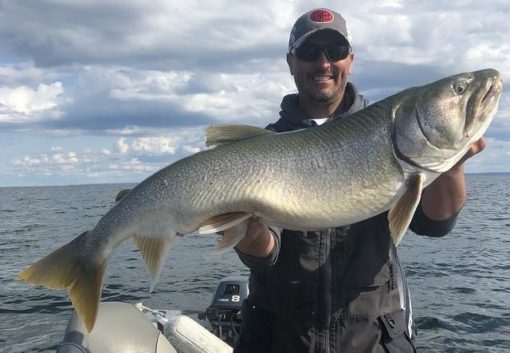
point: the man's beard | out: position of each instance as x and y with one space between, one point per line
321 96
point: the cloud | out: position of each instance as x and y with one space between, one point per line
27 161
135 33
23 104
128 159
86 164
133 165
116 82
154 145
117 99
55 163
26 74
439 34
195 64
121 146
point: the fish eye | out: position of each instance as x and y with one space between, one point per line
459 87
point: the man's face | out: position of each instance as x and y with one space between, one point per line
321 81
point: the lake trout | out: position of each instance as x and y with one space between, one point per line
339 173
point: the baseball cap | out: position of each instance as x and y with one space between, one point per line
317 20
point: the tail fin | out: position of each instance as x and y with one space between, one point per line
64 268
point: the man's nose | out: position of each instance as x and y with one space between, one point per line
323 60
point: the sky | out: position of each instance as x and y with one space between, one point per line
97 91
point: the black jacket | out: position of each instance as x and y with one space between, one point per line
335 290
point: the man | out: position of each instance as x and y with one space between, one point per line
341 289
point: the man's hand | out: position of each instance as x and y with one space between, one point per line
475 148
258 241
447 194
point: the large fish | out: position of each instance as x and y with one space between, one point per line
375 160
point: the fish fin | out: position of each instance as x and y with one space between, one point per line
121 194
217 135
232 236
402 212
154 251
223 222
63 269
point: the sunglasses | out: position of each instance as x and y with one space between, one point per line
311 52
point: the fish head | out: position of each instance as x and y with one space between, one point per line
435 124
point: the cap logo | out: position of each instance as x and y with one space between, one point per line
322 16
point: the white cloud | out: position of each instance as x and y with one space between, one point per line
240 96
27 161
27 102
131 159
26 74
121 146
144 85
133 165
65 158
190 149
154 145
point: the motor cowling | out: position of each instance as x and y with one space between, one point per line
224 312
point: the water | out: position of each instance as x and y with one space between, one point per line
460 284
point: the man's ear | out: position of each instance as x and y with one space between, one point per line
351 57
290 62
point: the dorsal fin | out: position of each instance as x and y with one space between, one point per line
121 194
217 135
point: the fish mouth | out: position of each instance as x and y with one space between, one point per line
495 87
484 103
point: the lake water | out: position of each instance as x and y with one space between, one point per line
460 284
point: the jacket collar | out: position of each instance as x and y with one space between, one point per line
293 114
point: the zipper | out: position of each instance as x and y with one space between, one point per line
324 317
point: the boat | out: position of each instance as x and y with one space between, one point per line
123 327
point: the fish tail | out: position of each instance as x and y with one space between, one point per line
63 268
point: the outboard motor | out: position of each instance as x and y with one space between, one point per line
224 313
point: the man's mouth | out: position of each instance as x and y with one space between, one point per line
322 78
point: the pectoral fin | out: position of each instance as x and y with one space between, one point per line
223 222
222 134
232 236
402 213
